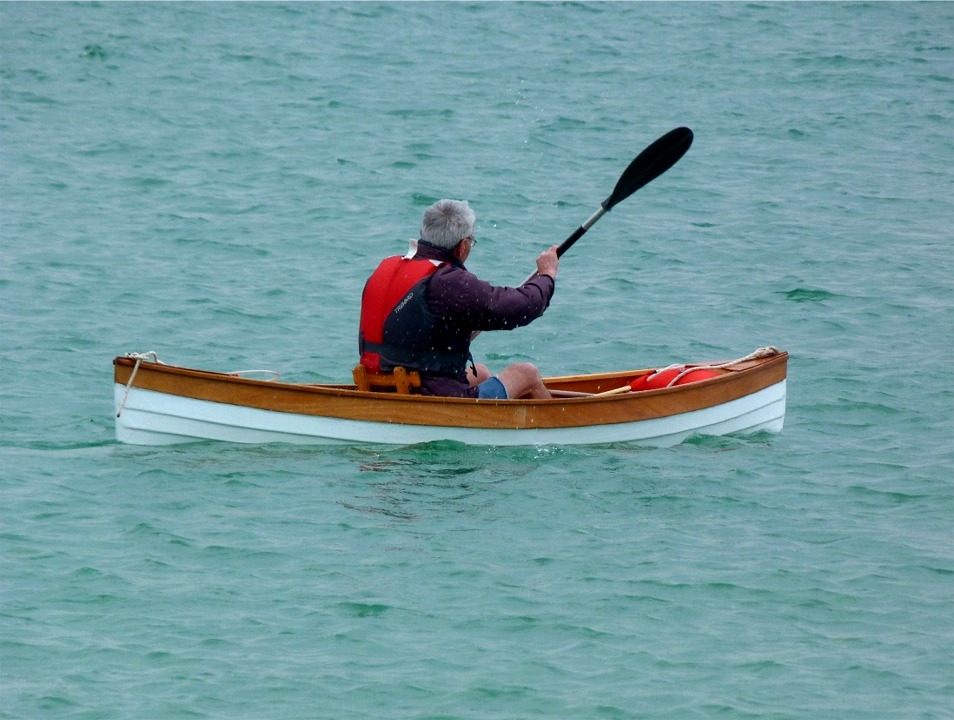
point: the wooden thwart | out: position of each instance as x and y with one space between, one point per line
400 380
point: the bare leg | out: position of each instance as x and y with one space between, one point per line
524 380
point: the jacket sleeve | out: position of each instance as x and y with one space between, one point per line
467 301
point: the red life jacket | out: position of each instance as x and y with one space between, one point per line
396 327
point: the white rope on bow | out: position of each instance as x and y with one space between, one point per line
768 351
761 352
239 373
150 356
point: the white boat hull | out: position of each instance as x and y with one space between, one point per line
156 418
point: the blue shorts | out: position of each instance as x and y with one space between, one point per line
491 389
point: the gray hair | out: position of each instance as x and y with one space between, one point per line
447 222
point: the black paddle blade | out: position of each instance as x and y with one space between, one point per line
650 164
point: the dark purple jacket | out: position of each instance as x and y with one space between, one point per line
463 302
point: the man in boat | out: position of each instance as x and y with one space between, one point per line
420 310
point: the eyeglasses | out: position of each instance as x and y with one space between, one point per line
473 240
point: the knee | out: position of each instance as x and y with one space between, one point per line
527 370
521 380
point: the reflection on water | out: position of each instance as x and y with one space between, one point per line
440 477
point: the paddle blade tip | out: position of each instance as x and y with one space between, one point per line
684 135
652 162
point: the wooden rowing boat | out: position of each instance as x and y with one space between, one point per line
159 404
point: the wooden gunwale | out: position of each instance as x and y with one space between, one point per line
345 402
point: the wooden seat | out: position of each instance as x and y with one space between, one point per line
400 380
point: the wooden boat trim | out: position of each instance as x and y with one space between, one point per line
346 402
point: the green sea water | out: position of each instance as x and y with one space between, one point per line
215 181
